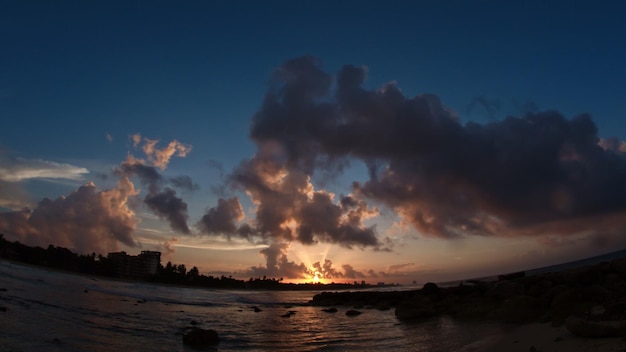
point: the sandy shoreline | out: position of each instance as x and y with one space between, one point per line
543 338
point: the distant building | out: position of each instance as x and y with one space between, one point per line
136 266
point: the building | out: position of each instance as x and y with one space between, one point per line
136 266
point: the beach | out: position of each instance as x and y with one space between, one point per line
543 338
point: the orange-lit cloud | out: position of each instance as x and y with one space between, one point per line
87 220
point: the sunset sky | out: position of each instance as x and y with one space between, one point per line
385 141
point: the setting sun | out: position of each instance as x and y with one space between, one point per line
316 278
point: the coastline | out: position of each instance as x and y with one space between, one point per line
543 337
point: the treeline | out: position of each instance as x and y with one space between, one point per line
96 264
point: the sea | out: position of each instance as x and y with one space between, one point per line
46 310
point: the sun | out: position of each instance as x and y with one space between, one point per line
316 278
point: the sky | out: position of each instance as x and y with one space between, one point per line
396 141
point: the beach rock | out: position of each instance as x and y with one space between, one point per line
519 309
431 289
257 309
586 328
330 310
503 290
199 338
418 307
352 313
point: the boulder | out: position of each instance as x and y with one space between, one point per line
418 307
199 338
352 313
603 328
519 309
431 289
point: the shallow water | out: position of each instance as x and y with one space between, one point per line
50 311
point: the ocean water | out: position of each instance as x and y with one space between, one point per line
55 311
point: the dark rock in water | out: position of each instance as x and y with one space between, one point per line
286 315
86 291
418 307
352 313
257 309
199 338
3 289
3 309
330 310
193 322
603 328
431 289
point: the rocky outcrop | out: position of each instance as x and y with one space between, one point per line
550 297
201 338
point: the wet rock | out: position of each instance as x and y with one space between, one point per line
431 289
330 310
3 309
519 309
503 290
418 307
352 313
588 328
200 338
257 309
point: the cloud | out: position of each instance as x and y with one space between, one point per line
277 264
167 248
350 273
222 219
19 169
87 220
162 201
184 182
517 176
160 157
168 206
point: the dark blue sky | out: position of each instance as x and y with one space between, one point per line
77 78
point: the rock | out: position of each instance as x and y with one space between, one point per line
519 309
3 309
199 338
330 310
416 308
257 309
586 328
431 289
286 315
503 290
352 313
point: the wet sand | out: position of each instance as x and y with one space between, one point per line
543 338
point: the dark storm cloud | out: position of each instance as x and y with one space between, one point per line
168 206
222 219
519 175
163 202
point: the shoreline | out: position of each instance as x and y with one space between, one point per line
542 337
